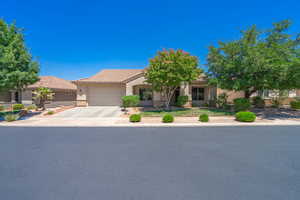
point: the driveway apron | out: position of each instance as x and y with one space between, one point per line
91 112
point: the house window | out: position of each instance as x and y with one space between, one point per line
145 94
197 94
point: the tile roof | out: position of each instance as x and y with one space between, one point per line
53 83
112 76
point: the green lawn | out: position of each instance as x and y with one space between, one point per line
186 112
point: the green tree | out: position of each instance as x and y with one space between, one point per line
17 68
169 69
258 60
41 95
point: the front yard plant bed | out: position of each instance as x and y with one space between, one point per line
295 105
167 118
11 117
3 113
245 116
18 106
203 118
20 113
135 118
185 112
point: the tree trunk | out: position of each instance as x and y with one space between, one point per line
248 93
167 104
42 102
169 95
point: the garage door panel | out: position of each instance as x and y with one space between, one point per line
105 95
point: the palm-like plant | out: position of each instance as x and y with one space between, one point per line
41 95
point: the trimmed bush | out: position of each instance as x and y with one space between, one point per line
1 108
18 106
258 102
295 104
130 101
31 107
182 100
204 118
167 118
241 104
50 112
11 117
245 116
135 118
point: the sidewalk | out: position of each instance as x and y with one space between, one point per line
146 122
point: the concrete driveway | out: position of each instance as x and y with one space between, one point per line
91 112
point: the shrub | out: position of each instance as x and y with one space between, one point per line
241 104
245 116
258 102
11 117
135 118
182 100
295 104
203 118
1 108
50 112
31 107
206 105
18 106
130 101
167 118
222 100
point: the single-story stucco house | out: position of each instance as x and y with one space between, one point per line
107 87
65 92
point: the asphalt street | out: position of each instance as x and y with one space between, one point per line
203 163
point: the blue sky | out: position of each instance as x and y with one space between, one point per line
75 39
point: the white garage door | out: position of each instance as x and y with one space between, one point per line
105 95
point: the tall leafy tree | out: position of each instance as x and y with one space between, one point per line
17 68
258 60
169 69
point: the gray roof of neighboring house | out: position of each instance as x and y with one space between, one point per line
53 82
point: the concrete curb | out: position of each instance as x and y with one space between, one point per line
156 125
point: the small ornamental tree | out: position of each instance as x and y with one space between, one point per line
17 68
42 95
258 60
169 69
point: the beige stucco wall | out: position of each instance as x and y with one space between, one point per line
64 95
156 99
26 96
231 94
5 97
130 85
187 90
298 93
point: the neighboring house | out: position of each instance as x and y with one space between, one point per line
107 87
288 96
65 92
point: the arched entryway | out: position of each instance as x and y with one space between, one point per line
145 93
